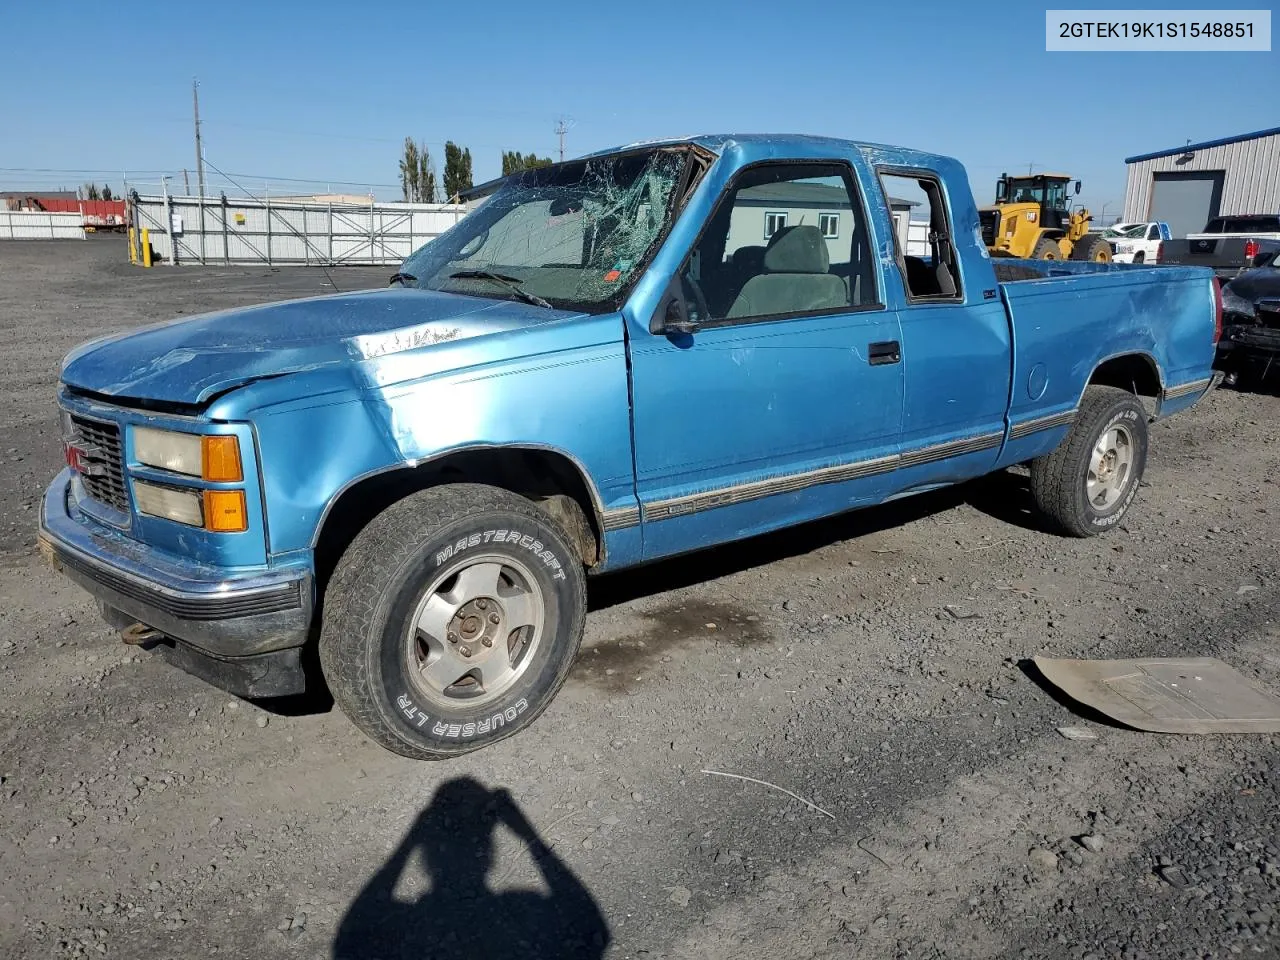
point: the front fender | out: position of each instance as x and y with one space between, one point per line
573 401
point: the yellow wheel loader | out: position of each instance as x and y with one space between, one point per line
1032 218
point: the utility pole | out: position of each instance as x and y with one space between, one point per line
195 105
560 131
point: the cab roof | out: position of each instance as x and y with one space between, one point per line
764 144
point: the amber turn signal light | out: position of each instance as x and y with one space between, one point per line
224 511
222 459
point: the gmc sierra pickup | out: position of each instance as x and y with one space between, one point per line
614 359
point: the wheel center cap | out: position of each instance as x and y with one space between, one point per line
476 626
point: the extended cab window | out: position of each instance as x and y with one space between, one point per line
927 251
815 256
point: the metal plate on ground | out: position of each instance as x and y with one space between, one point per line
1167 695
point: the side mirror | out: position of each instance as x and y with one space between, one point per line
1077 188
673 319
1002 190
672 316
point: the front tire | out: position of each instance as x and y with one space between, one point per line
1093 248
1086 485
1046 249
452 620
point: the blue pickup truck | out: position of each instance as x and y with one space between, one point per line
615 359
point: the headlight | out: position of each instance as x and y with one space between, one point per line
208 457
170 503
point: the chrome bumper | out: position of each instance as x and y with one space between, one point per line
220 615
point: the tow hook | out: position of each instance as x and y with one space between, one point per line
139 635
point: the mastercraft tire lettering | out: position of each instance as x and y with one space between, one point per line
452 620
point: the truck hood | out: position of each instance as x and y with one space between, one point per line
191 360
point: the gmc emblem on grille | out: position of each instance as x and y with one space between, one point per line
86 459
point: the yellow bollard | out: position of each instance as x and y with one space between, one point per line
146 247
133 245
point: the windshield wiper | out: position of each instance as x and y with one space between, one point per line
404 279
511 283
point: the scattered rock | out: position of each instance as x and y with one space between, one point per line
1090 842
1045 861
1077 733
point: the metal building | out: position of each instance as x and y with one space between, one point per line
1186 186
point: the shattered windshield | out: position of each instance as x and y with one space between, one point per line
1125 231
574 235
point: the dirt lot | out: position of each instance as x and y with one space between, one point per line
143 814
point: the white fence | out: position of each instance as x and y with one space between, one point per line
38 225
187 230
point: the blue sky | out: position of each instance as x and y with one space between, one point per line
328 91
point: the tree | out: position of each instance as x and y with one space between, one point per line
417 176
106 192
513 161
91 191
410 172
457 170
426 176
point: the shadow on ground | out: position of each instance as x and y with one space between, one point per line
1005 496
460 916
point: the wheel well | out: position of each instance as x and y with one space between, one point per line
1135 372
550 479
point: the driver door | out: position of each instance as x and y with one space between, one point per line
785 402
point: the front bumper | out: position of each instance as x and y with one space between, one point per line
215 613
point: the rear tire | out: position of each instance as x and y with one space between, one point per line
1093 248
1086 485
1140 257
452 620
1046 249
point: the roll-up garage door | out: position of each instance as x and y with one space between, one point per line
1186 201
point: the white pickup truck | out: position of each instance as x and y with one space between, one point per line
1137 242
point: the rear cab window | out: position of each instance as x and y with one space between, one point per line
926 248
1243 225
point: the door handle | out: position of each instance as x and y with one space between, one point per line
886 351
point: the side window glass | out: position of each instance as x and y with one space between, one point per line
930 267
784 240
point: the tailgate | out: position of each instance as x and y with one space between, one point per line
1205 252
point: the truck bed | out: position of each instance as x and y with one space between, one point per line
1068 316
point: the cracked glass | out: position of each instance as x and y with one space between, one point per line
574 235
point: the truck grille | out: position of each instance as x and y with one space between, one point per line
990 222
101 461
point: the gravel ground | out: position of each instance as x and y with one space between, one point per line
873 664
